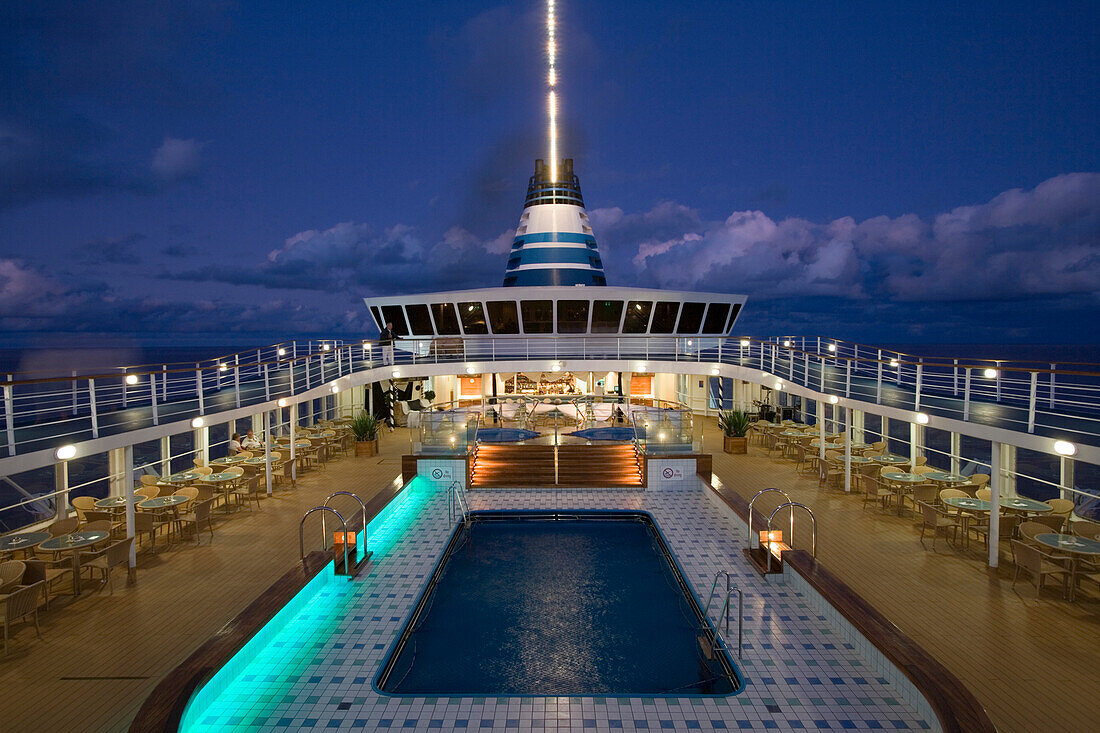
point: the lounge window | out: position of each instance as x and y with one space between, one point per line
503 317
473 318
572 316
446 322
733 316
637 316
716 318
606 315
419 320
691 317
538 316
395 315
664 317
377 317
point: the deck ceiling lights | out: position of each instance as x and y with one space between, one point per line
893 362
641 366
282 352
715 371
131 379
335 388
282 402
990 373
922 418
1065 448
325 347
469 370
779 386
66 452
198 422
660 436
223 367
833 399
832 347
745 342
556 366
395 374
786 343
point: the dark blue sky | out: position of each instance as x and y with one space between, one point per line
896 172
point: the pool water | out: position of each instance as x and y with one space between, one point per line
529 604
614 433
504 435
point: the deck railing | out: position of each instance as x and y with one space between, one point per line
45 412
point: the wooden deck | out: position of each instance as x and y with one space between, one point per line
1034 665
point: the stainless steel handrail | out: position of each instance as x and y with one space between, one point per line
302 540
362 508
752 501
731 587
813 527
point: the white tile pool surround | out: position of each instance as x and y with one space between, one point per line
800 672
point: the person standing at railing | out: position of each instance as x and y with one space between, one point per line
385 340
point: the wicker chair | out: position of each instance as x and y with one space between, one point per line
984 494
200 515
63 526
1039 565
109 558
936 519
1055 522
19 604
149 523
926 493
981 479
191 493
82 504
872 486
11 574
149 480
1006 528
203 470
1088 530
39 572
248 491
148 492
1064 507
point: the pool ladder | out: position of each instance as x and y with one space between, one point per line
721 636
457 506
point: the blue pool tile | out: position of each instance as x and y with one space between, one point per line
718 724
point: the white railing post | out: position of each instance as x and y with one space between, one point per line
994 503
74 393
164 382
267 384
1052 368
920 376
92 407
847 450
955 377
878 389
153 397
9 415
1031 402
309 357
236 381
966 395
125 391
267 445
848 381
998 381
199 390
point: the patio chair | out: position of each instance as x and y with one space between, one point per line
981 479
936 519
1006 528
203 470
191 493
20 603
11 574
922 469
63 526
248 491
82 504
984 494
149 480
1088 530
148 523
199 463
1039 565
147 492
873 487
1063 507
40 573
1054 522
926 493
109 558
200 515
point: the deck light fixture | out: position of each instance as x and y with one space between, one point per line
335 388
990 373
832 347
893 362
325 347
922 418
198 422
660 436
833 399
66 452
395 374
556 366
1065 448
131 379
745 342
779 386
282 352
282 402
469 370
714 371
786 343
221 367
641 366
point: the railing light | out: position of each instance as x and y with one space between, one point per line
641 366
990 373
745 342
282 352
198 422
556 366
893 362
779 386
131 379
922 418
65 452
335 388
221 367
715 371
1065 448
833 399
282 402
786 343
325 347
689 342
832 347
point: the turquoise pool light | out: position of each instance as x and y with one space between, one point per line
247 689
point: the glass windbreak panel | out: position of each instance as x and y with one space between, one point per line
664 317
1039 475
395 315
716 318
572 316
637 316
538 316
419 320
446 322
691 317
937 448
606 315
663 430
446 432
181 445
503 317
473 318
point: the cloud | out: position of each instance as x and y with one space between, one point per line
115 251
1022 243
177 159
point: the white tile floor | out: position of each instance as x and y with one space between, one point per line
316 672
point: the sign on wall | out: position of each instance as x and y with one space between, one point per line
441 473
672 473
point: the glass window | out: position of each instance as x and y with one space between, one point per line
637 316
691 316
606 315
572 316
377 317
473 318
393 314
419 320
538 316
664 317
716 318
446 323
502 314
733 316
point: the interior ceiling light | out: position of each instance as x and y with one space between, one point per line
282 402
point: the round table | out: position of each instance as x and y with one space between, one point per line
1069 543
222 481
256 461
891 460
111 502
23 541
968 503
74 541
862 459
942 477
1022 504
227 461
163 502
903 477
184 477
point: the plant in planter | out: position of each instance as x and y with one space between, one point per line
735 426
365 428
429 396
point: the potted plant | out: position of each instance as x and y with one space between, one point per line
735 425
429 396
365 428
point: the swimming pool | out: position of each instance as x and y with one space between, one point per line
504 435
546 603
